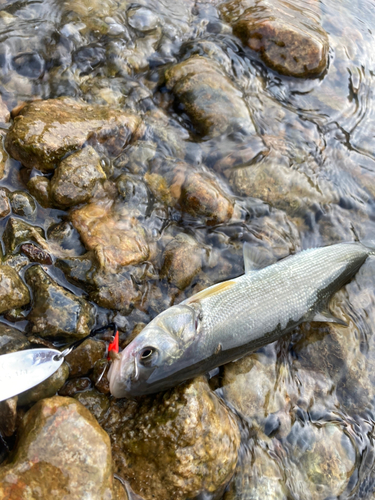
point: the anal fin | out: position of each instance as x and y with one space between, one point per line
326 316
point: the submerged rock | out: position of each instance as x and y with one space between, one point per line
197 193
61 449
4 203
13 291
56 312
76 177
211 100
182 260
96 402
185 440
259 473
45 131
324 456
283 41
116 237
22 204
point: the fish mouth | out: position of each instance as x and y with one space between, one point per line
120 376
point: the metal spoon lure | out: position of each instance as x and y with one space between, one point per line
22 370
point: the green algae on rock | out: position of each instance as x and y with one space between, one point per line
56 312
186 440
13 291
45 131
18 231
75 178
61 449
211 100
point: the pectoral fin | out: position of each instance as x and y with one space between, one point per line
326 316
256 258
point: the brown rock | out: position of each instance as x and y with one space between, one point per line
13 292
11 339
186 440
82 359
45 131
39 187
75 178
182 261
8 416
56 312
117 238
18 231
36 254
62 451
284 44
211 100
71 387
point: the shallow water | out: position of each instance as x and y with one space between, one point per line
301 172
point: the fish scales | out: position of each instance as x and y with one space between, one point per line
231 319
295 286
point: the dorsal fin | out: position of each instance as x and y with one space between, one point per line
212 290
256 258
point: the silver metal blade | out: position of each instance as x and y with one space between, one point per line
22 370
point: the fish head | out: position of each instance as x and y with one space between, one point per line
156 353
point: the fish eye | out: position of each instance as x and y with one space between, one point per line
147 356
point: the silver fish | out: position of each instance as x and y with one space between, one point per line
231 319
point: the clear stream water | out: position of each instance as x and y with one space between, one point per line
306 403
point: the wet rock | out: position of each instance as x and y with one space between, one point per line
76 177
39 187
4 204
142 19
196 193
259 474
61 449
96 402
66 237
22 204
17 231
4 112
57 313
3 157
99 376
8 416
182 261
249 386
273 181
79 270
325 456
184 439
45 389
117 238
211 100
285 44
13 292
201 196
71 387
115 291
11 339
83 359
35 254
45 131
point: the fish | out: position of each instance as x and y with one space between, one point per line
234 318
